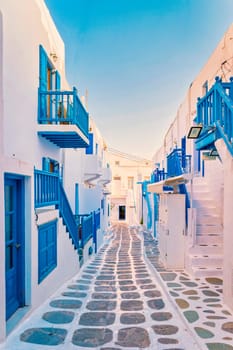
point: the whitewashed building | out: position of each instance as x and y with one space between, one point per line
52 213
200 170
128 174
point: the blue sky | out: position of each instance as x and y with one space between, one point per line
137 59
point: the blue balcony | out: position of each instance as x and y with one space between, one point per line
62 119
215 114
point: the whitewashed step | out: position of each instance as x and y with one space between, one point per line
208 228
211 211
207 272
206 249
206 219
206 260
209 239
203 203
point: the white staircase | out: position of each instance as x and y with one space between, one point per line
205 258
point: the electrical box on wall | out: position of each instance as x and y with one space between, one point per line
171 229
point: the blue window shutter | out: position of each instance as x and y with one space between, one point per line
47 249
89 149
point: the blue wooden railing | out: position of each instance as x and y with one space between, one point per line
158 175
46 189
67 216
178 163
62 107
96 224
215 110
87 229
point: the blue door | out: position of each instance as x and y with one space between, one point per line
14 259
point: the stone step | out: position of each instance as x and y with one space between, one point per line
207 210
211 238
212 260
203 203
206 249
207 272
206 219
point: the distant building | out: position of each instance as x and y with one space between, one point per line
128 173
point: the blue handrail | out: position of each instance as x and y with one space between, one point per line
96 226
62 107
215 110
68 216
48 190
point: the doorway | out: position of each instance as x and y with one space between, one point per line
14 244
122 212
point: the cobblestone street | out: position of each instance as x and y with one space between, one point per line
119 301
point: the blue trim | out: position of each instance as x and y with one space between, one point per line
47 249
76 199
89 149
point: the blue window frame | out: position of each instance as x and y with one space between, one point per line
47 249
50 165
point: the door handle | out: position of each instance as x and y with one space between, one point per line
17 245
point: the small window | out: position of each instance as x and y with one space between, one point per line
50 165
117 178
47 249
130 182
117 162
205 88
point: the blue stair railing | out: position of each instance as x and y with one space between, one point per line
68 216
96 224
48 190
215 113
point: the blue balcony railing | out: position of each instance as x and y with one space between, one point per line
215 113
158 175
178 163
46 188
62 108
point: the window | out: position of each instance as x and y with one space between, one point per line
130 182
47 249
205 88
117 178
50 165
117 162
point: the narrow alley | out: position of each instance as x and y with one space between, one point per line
119 301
